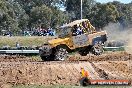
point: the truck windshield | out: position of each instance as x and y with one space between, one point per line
64 32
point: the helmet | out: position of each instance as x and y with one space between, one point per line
77 25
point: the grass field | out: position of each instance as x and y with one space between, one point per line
32 41
23 40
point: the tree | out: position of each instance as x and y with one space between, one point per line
13 16
102 14
8 17
17 15
20 15
58 18
73 6
40 15
125 12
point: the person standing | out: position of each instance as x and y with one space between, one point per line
85 79
17 45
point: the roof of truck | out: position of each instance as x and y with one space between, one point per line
73 23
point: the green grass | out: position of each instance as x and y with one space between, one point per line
118 49
63 86
23 40
35 57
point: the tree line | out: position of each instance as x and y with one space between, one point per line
20 15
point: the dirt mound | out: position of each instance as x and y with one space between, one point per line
23 70
63 73
44 73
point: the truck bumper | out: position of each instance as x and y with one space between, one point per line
45 50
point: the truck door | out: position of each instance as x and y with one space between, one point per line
80 40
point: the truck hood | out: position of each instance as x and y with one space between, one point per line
58 40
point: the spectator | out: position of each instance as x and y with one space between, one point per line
50 32
17 45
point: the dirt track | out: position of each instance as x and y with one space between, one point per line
19 70
15 58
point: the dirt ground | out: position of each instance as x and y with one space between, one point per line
22 70
16 58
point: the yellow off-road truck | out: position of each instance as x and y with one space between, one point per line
78 35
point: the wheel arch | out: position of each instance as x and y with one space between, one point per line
102 39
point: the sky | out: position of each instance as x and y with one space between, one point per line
122 1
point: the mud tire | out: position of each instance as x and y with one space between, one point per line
83 53
46 58
97 49
43 58
61 54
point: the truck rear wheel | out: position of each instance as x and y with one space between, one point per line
61 54
97 49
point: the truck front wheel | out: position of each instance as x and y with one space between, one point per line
61 54
45 58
